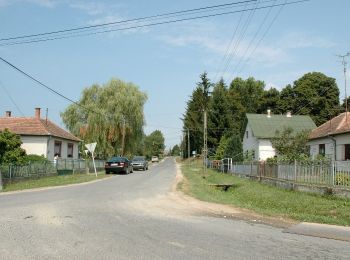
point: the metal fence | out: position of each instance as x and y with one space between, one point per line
315 173
11 172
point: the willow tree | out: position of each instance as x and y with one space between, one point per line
111 115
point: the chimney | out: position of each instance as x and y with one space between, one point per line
268 113
8 113
289 114
37 112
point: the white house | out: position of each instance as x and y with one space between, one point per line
261 128
41 136
332 139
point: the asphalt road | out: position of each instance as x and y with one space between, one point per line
127 217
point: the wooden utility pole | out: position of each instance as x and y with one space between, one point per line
205 137
188 143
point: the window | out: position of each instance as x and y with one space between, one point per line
347 151
70 150
322 149
57 149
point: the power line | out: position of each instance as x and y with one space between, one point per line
125 21
263 36
228 49
12 100
254 37
44 85
146 25
241 37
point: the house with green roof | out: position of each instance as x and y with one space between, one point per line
261 128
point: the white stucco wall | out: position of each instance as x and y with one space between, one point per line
250 143
34 144
265 150
44 145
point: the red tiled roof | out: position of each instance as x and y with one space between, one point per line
34 126
337 125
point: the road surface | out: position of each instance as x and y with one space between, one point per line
137 216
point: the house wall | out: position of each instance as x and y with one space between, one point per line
35 144
340 141
64 148
265 150
44 145
250 143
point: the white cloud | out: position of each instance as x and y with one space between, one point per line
44 3
91 8
299 40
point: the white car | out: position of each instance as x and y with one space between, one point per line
155 159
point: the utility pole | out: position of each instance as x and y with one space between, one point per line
205 138
344 63
123 134
188 143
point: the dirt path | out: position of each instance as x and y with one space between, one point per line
179 205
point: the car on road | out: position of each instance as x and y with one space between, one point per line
139 163
118 164
155 159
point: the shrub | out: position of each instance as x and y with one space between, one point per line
342 179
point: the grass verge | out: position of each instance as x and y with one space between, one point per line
265 199
53 181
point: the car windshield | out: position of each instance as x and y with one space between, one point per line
138 158
117 159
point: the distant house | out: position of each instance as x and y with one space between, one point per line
261 128
332 139
41 136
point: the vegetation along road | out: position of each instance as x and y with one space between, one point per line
141 216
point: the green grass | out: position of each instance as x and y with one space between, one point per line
265 199
53 181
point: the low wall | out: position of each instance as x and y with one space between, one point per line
323 190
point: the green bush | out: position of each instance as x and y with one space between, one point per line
342 179
34 158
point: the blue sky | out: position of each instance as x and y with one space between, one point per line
165 61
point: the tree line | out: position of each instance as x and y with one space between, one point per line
313 94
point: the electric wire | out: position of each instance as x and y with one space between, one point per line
125 21
11 99
147 25
228 48
253 39
241 37
262 37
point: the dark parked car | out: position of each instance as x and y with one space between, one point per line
118 165
139 163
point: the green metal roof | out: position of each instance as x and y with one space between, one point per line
266 127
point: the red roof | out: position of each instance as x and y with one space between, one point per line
34 126
337 125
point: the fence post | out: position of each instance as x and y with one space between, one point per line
295 170
333 173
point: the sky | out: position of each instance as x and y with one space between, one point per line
274 44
